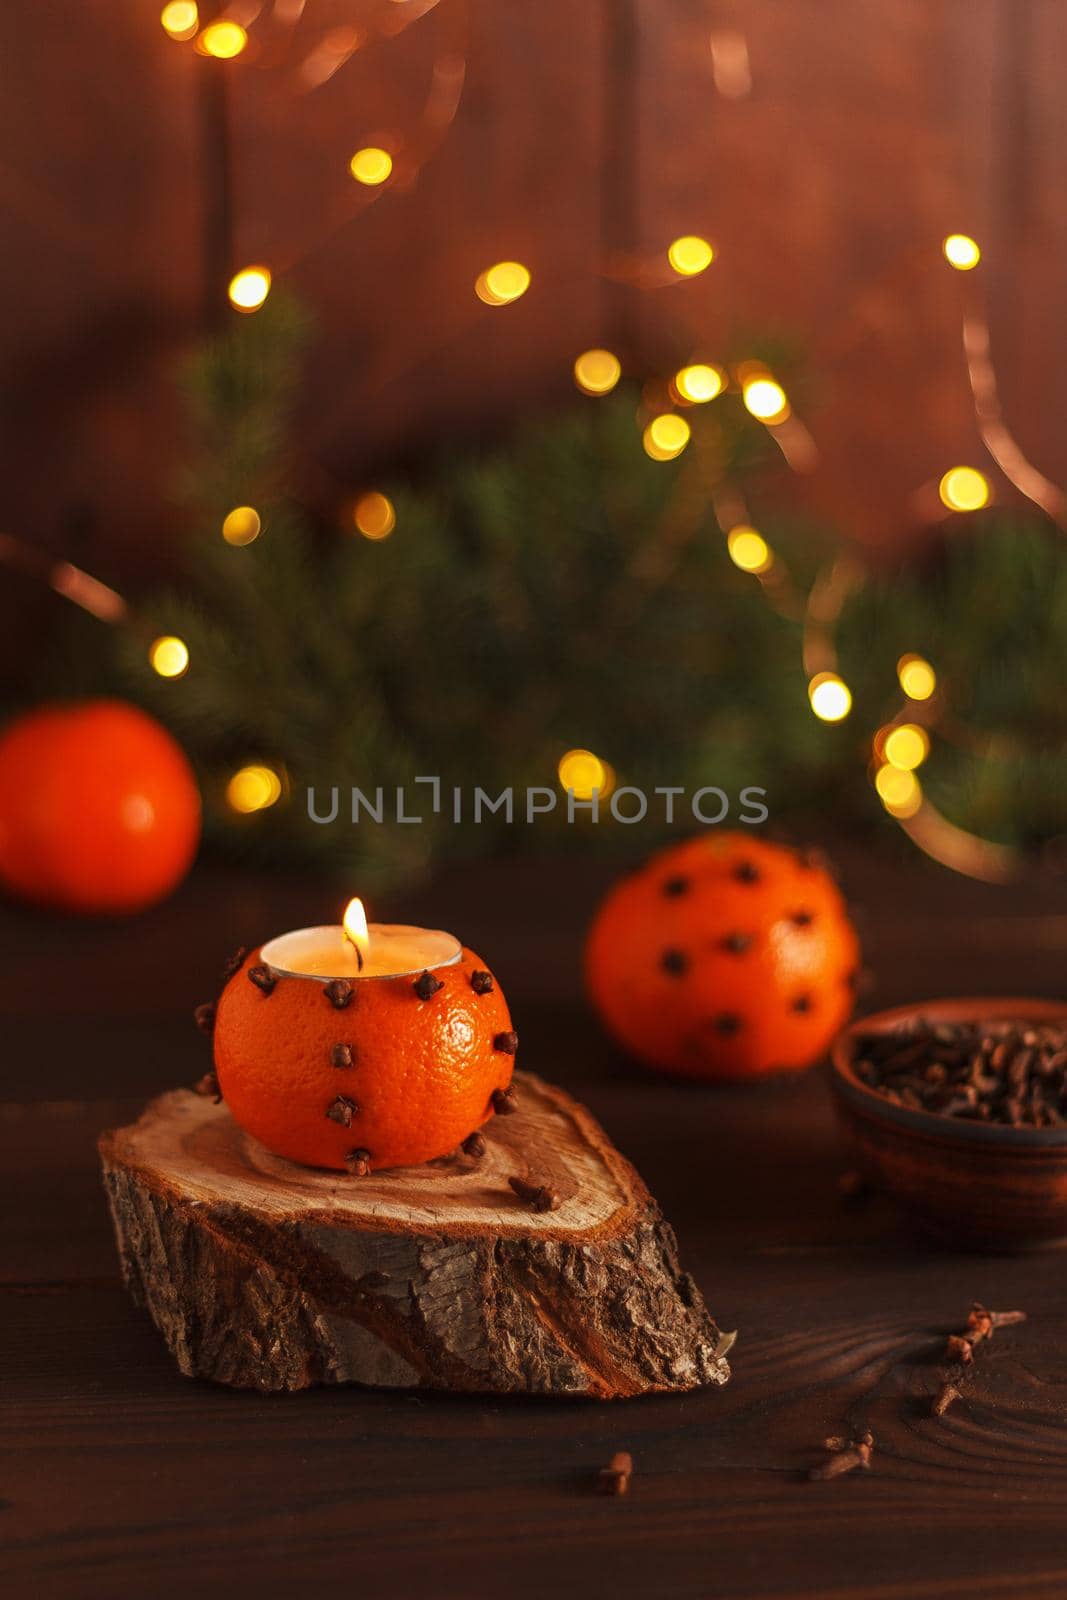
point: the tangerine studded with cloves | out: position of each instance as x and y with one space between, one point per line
727 956
416 1076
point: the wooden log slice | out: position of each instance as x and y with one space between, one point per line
267 1275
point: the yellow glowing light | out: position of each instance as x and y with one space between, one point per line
917 677
748 549
500 285
222 39
906 746
242 525
253 789
169 656
371 166
899 791
374 515
597 371
355 926
699 383
582 771
180 19
249 288
830 696
964 489
666 437
690 254
766 400
961 251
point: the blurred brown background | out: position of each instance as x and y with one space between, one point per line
825 146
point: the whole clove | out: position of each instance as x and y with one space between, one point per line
845 1456
426 985
357 1163
204 1017
746 872
474 1145
207 1086
945 1397
342 1110
481 981
340 1056
538 1196
1004 1071
263 978
615 1478
504 1101
338 992
507 1043
981 1325
235 963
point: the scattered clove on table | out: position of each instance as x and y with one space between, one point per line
615 1477
960 1351
945 1397
845 1455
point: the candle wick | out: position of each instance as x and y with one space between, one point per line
359 958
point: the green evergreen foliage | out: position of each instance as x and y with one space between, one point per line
563 590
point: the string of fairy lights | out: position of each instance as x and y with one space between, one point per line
902 744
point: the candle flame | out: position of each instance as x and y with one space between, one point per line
355 925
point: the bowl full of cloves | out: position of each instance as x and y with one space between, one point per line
958 1108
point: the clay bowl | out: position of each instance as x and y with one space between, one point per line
987 1186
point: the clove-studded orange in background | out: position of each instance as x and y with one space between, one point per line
724 957
367 1073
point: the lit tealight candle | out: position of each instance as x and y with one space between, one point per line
358 950
329 1070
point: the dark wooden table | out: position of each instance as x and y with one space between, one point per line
121 1478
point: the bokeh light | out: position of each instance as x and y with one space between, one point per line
830 697
582 772
899 791
666 437
765 399
249 288
222 39
503 283
242 525
690 254
748 549
964 489
371 166
699 383
253 789
180 19
961 251
169 656
916 677
374 515
597 371
906 746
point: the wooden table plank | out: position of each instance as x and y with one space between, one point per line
121 1478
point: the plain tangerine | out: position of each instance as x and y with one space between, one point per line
99 808
422 1076
724 957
